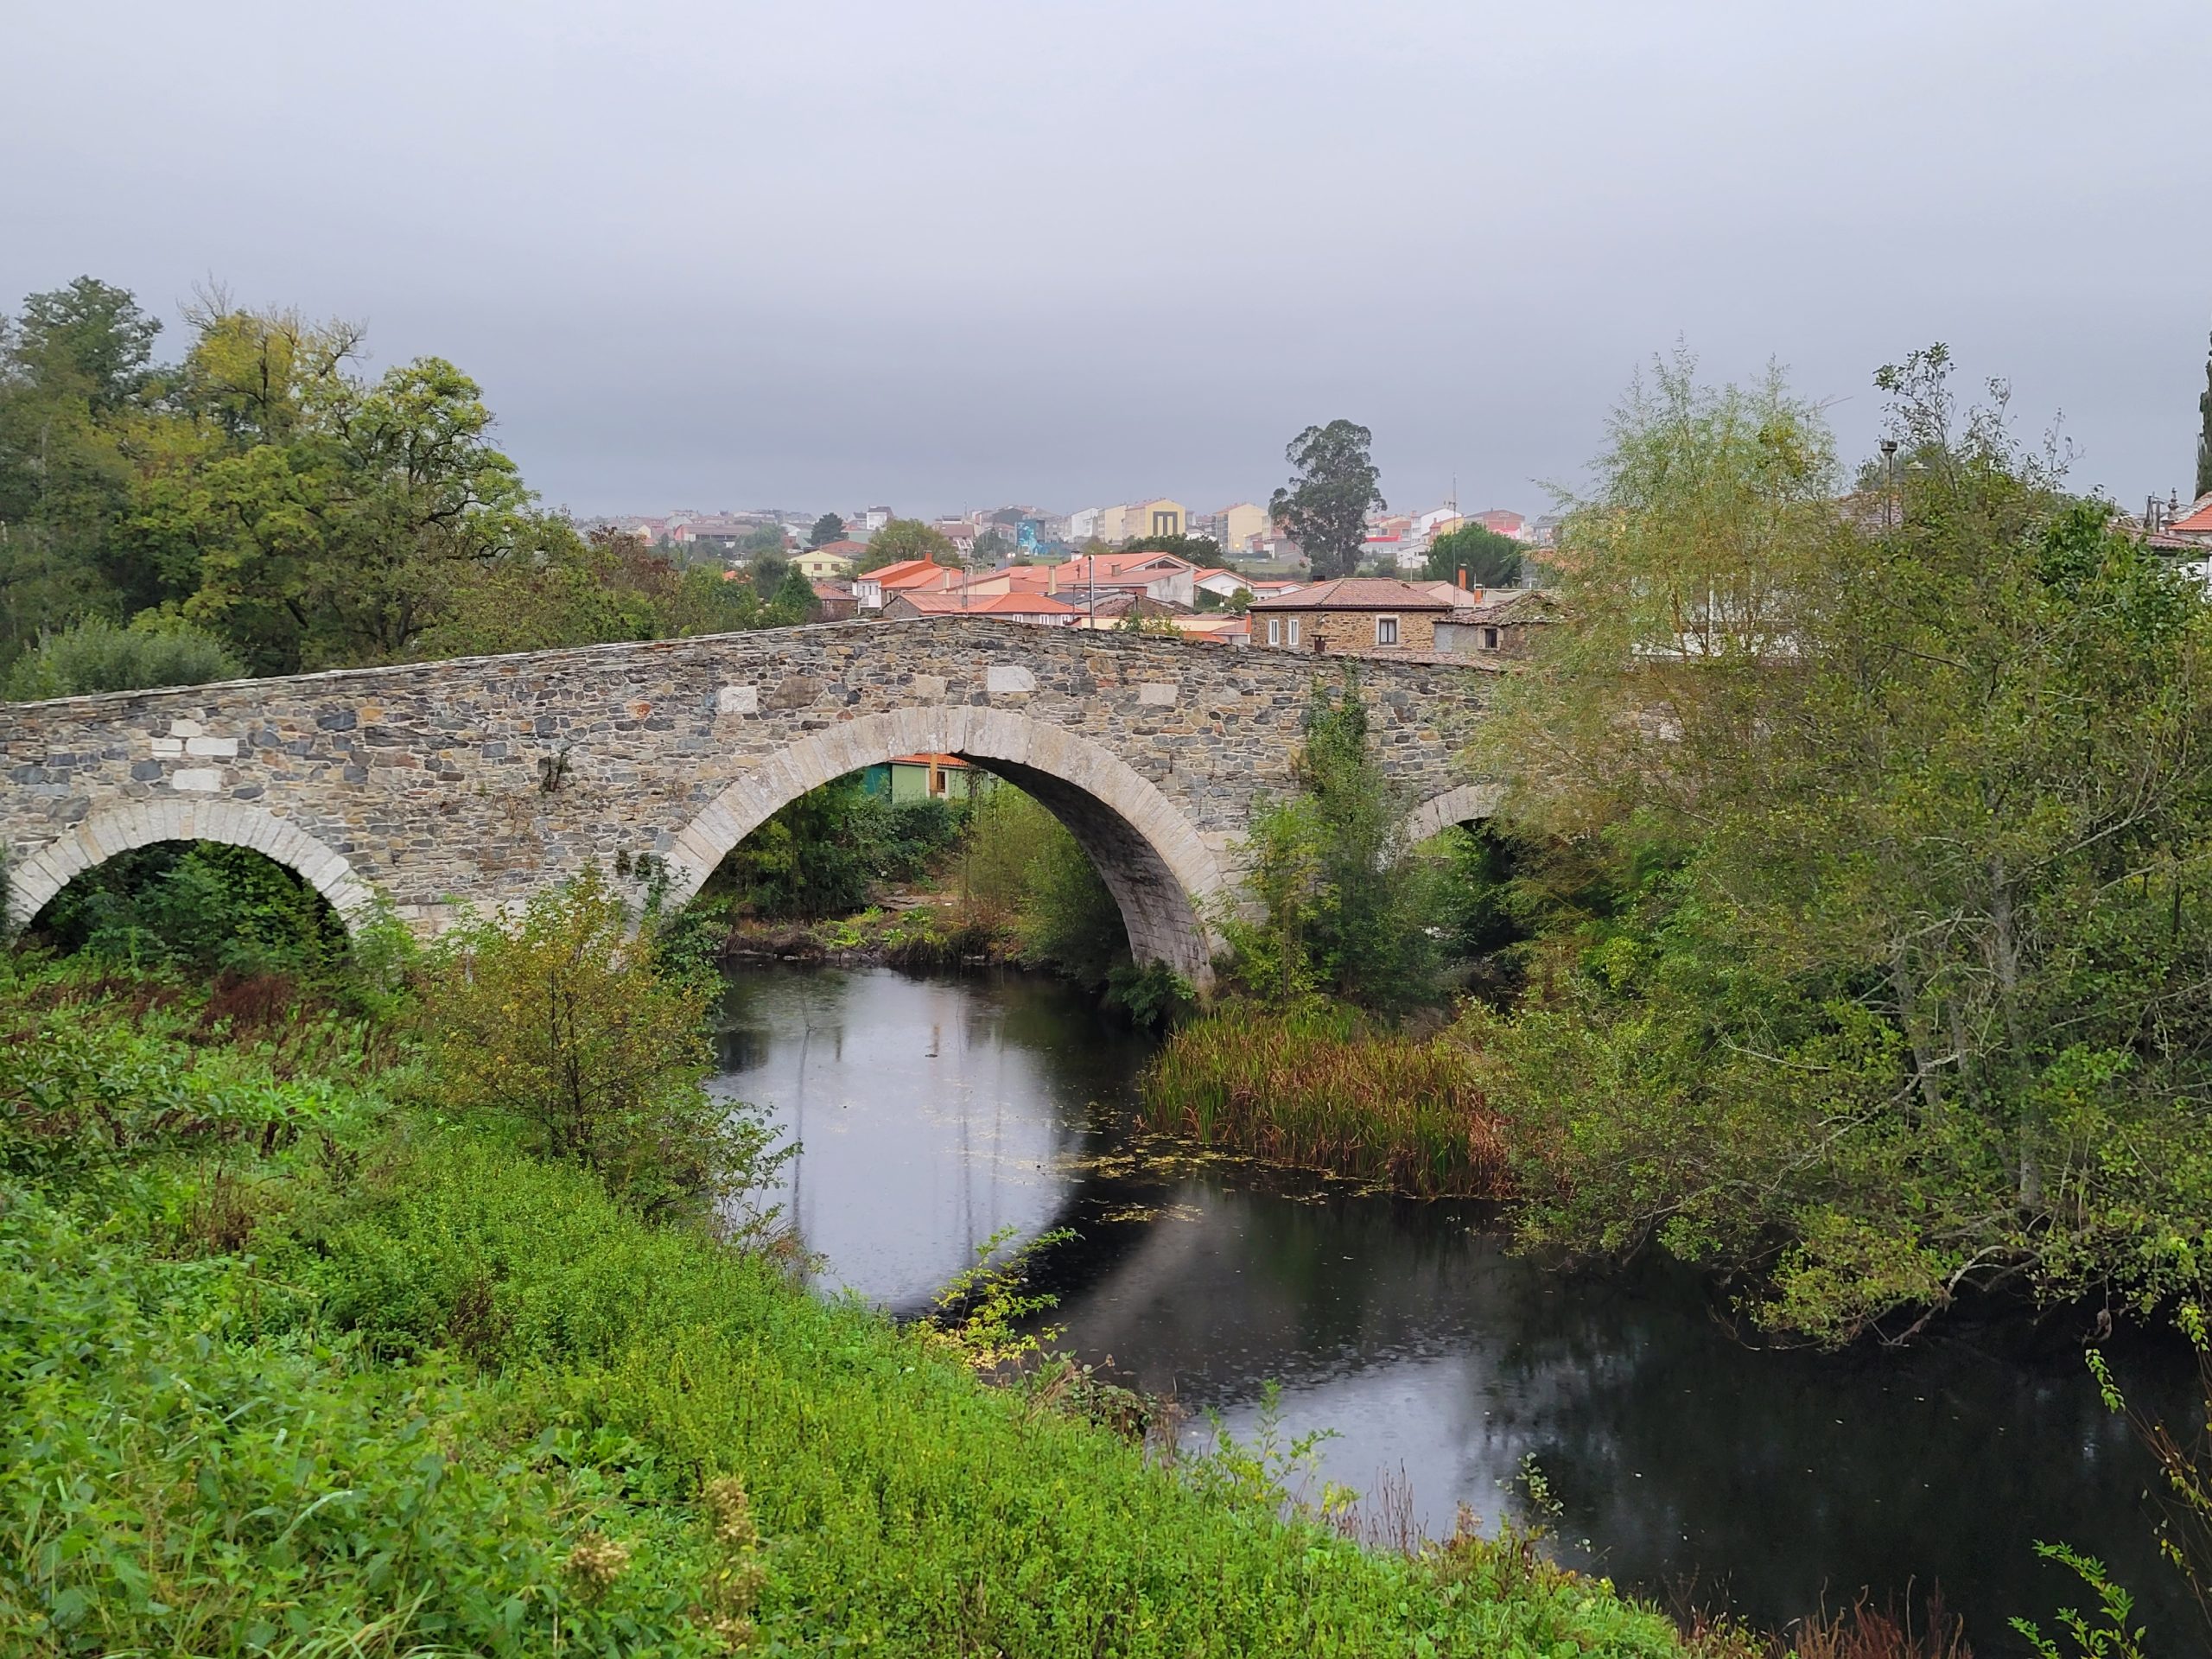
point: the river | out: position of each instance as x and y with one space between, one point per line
935 1111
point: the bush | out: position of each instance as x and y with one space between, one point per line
564 1028
201 906
95 655
1333 902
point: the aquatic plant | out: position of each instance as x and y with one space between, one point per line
1323 1089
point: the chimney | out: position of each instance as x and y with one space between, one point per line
1478 595
1463 575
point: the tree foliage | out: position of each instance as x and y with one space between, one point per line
95 655
827 528
908 538
1330 494
1883 954
562 1026
302 513
1333 901
1490 560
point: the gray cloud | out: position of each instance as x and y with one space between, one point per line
948 254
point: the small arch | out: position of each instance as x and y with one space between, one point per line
236 823
1159 869
1467 804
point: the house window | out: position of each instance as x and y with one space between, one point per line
1294 633
1386 630
937 779
1489 638
1275 630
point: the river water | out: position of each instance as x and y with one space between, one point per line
934 1112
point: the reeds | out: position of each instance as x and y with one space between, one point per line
1321 1090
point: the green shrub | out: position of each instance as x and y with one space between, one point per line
562 1026
201 906
95 655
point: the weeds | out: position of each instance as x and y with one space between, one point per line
1318 1090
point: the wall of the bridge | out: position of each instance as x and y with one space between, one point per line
474 782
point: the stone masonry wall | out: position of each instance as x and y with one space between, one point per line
476 781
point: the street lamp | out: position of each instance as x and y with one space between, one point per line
1890 497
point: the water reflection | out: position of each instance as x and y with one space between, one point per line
935 1112
929 1113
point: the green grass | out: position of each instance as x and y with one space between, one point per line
1321 1089
291 1365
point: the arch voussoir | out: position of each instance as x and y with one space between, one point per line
103 836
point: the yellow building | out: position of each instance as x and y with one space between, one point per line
827 563
1242 527
1132 519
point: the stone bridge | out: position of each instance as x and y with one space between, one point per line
475 782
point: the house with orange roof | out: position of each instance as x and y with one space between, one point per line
1041 610
875 588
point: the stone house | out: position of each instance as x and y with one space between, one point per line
1497 624
1357 615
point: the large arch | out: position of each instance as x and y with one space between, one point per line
1468 804
237 823
1158 868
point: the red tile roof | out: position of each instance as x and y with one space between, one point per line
2197 521
912 573
1359 594
988 605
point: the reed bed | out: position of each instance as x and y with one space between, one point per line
1322 1090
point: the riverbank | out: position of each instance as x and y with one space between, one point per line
332 1367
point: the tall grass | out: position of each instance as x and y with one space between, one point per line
1321 1089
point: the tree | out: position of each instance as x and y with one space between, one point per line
792 599
768 572
1490 560
827 528
311 518
908 538
560 1025
1336 904
97 656
2204 433
764 541
1881 960
991 548
1327 500
1201 550
76 386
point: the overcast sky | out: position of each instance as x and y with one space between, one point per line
831 252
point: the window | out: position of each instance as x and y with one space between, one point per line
1489 638
1275 630
1386 630
1294 633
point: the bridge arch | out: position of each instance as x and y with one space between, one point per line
1467 804
102 836
1158 868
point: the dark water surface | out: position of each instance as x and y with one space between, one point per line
935 1111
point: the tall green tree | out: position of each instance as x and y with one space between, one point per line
1330 494
311 517
76 381
908 538
2204 433
1490 560
1904 980
827 528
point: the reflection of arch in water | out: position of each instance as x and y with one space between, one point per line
1468 804
33 884
1158 868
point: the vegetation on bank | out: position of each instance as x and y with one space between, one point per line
324 1338
1320 1087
